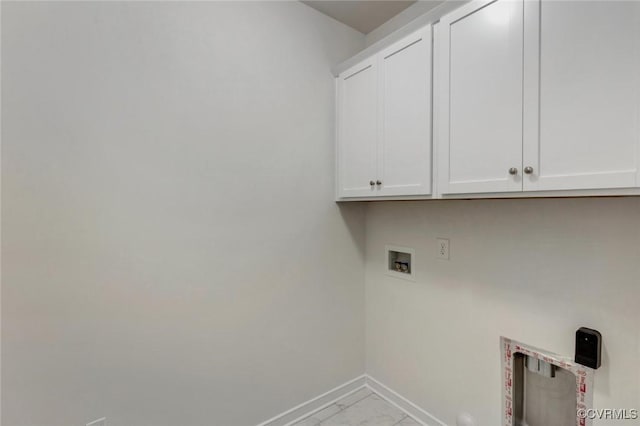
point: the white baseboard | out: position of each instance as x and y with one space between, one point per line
320 402
393 397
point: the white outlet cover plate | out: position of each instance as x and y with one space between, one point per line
442 248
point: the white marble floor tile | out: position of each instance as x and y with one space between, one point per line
309 421
371 411
358 395
361 408
407 421
317 418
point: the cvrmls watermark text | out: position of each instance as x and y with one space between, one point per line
608 413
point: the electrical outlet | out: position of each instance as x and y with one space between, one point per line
99 422
443 248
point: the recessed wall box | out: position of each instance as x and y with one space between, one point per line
543 388
400 262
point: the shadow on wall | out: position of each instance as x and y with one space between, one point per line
353 214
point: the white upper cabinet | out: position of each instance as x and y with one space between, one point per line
384 122
358 129
480 67
584 82
404 157
531 98
546 90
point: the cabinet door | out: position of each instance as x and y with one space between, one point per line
480 51
588 96
357 130
404 159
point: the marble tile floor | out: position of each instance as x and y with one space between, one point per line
361 408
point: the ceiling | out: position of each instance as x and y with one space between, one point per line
362 15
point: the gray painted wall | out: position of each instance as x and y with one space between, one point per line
534 270
171 251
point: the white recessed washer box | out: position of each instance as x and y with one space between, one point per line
400 262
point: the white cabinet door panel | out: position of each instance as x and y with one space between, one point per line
357 130
404 161
480 103
588 98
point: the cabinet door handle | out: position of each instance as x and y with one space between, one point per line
371 183
513 171
378 182
528 170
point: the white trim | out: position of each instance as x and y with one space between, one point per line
99 422
419 414
336 138
312 406
578 193
316 404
